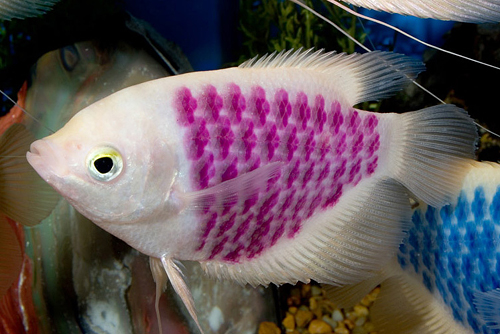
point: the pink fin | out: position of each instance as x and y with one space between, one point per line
230 191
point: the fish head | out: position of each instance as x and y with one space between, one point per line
110 162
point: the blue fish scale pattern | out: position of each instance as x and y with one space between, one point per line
455 250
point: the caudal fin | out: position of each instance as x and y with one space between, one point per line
436 148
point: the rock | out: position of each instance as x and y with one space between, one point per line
361 311
302 318
313 303
337 315
268 327
319 327
289 322
341 330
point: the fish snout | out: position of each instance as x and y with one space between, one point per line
47 160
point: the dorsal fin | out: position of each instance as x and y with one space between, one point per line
359 77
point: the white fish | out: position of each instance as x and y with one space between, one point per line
263 173
475 11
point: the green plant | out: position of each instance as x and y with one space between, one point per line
275 25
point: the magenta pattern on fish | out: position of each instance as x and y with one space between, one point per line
325 148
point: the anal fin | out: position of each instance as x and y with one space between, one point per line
349 295
405 306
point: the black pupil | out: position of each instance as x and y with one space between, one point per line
103 165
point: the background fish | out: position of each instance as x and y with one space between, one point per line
74 260
229 184
446 277
20 9
478 11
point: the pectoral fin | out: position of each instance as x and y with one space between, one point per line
237 189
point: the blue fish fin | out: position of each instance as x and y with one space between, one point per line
364 77
175 277
405 306
436 152
488 306
233 190
342 245
24 196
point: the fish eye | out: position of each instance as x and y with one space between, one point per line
69 57
104 163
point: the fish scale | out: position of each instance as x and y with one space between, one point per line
326 155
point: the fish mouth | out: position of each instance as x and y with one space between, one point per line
45 160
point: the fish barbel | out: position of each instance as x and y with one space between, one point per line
240 167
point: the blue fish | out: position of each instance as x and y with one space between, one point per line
445 277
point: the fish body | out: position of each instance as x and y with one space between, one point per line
262 173
454 251
82 257
479 11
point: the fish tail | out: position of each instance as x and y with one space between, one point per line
435 152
